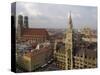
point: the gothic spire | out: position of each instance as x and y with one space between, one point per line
70 20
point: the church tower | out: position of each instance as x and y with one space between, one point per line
20 26
25 21
69 44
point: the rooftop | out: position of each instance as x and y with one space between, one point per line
35 31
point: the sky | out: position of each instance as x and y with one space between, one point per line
43 15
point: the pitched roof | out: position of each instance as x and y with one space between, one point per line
36 52
34 31
87 53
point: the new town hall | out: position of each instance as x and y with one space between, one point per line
78 51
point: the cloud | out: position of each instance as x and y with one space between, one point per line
29 9
32 11
56 15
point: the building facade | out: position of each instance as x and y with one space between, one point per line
77 53
30 60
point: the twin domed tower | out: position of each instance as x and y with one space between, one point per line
22 23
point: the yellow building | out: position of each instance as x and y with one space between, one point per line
34 59
85 59
60 55
89 35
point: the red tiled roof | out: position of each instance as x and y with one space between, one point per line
35 31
